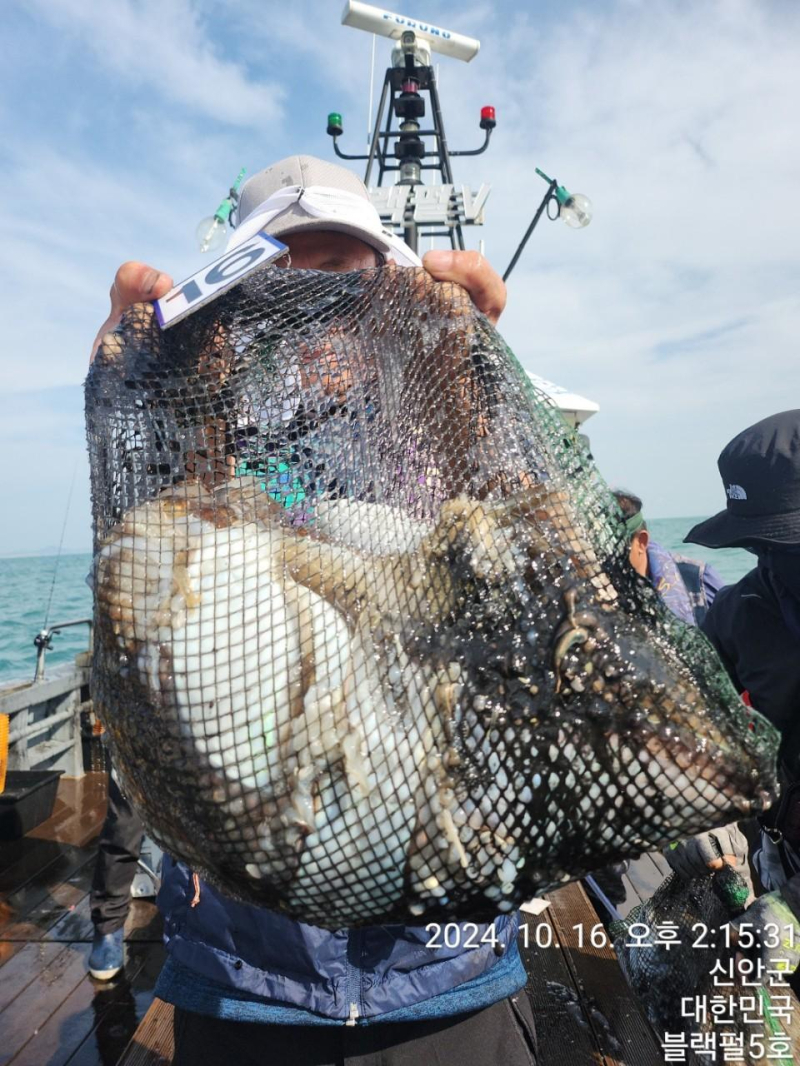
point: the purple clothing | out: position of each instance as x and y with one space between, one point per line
687 587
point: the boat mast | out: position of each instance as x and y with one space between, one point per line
409 207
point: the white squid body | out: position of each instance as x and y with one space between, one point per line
330 782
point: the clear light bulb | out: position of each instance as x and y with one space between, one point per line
211 234
577 211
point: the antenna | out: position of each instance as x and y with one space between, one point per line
409 207
387 24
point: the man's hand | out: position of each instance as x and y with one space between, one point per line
701 855
139 283
472 272
134 283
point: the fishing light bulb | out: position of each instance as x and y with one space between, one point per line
577 210
574 208
211 234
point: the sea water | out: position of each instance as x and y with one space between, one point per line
729 563
26 585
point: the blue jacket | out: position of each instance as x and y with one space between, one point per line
245 952
686 586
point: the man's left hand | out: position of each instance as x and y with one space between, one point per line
134 283
472 272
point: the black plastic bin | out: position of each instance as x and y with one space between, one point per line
27 801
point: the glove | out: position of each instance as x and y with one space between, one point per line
769 931
694 857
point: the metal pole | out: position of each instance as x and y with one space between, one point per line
41 726
411 236
373 148
456 233
609 906
371 87
551 191
438 124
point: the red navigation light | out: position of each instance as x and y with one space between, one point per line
488 120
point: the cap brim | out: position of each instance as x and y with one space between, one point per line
299 222
726 530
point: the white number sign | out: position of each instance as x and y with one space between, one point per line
213 280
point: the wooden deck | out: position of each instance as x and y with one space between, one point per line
642 879
53 1014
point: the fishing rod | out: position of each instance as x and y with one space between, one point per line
43 641
574 208
212 232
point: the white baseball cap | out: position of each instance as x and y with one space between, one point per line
303 194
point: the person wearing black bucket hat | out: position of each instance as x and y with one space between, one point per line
755 624
755 627
760 470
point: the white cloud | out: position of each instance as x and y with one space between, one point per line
676 309
47 478
166 48
79 223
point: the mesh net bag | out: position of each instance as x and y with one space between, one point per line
680 976
368 647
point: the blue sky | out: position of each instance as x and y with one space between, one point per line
124 121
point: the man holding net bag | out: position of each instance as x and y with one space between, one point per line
247 983
369 602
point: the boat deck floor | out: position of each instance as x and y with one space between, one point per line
51 1011
644 876
53 1014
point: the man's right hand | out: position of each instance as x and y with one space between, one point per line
134 283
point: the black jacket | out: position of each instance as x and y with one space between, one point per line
746 626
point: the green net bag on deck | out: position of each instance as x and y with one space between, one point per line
678 950
368 646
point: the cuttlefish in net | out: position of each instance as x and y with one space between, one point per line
409 709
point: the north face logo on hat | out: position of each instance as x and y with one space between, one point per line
736 492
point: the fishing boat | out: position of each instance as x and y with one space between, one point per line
54 801
51 814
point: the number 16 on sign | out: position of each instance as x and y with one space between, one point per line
214 279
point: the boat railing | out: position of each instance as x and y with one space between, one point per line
44 641
51 719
